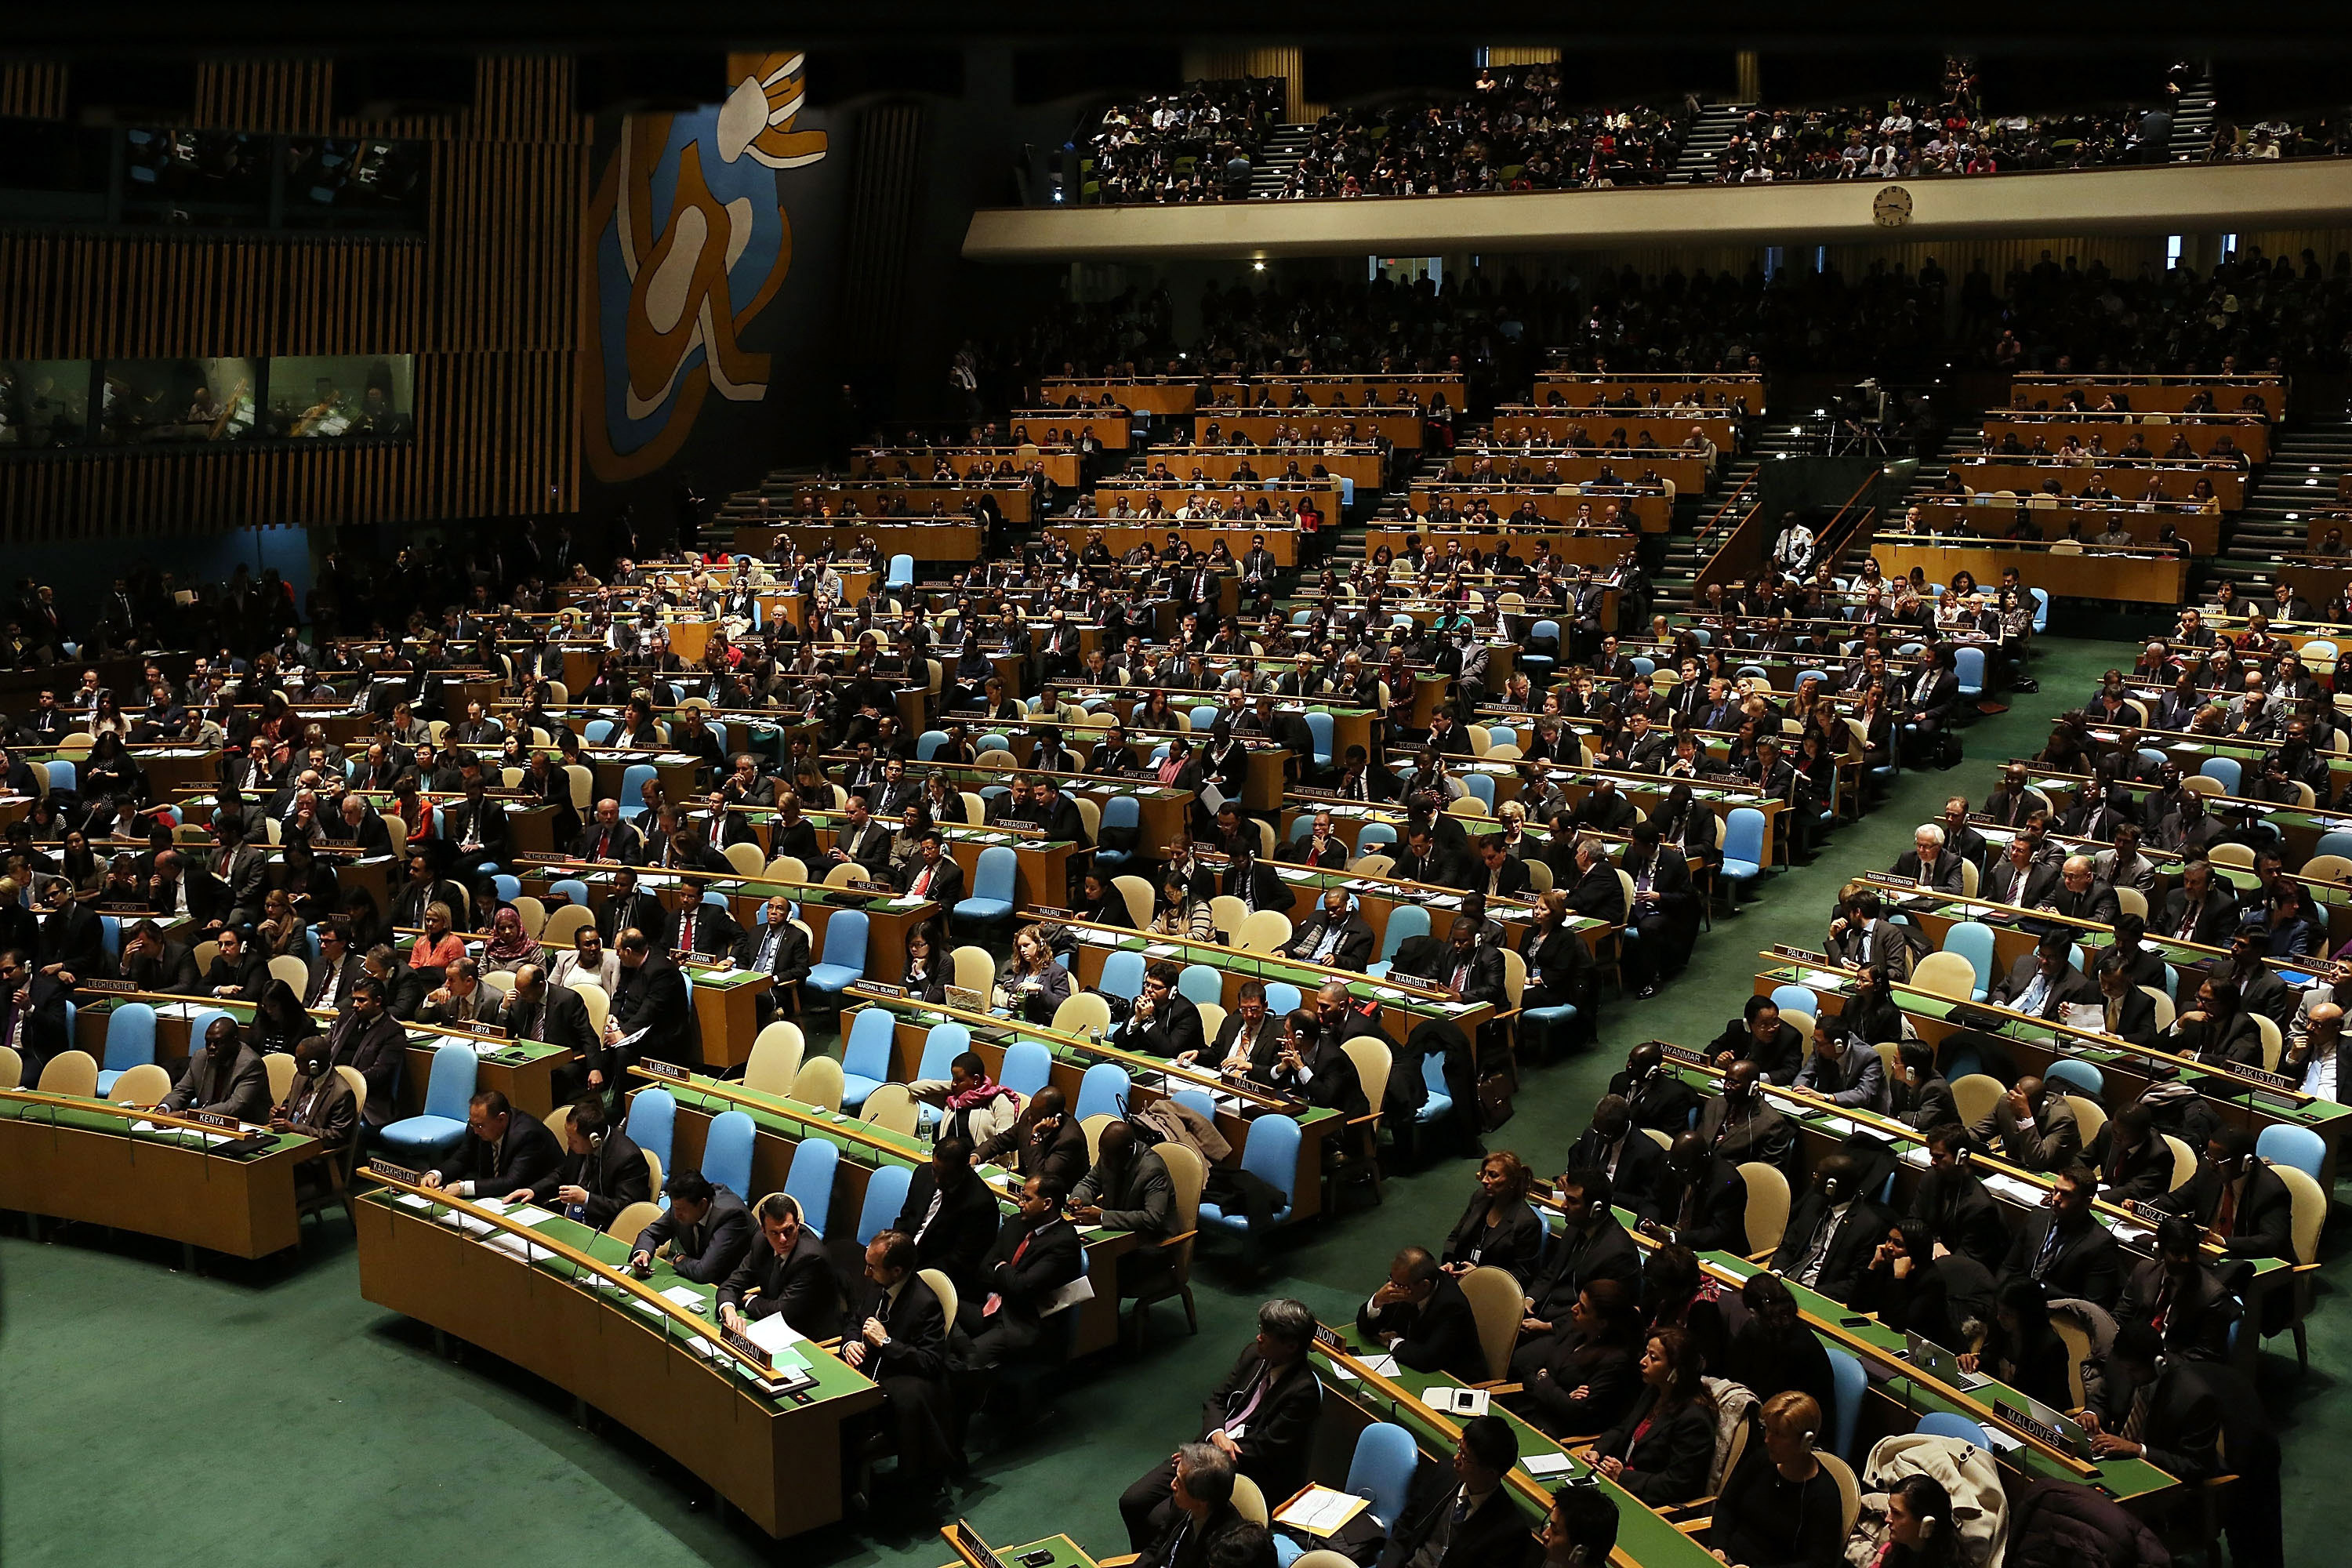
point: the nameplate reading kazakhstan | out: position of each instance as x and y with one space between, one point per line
119 987
391 1172
655 1067
743 1344
211 1119
2027 1425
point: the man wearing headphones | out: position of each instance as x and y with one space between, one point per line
602 1174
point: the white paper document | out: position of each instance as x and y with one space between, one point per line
771 1333
1383 1364
1543 1467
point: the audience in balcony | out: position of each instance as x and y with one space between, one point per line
1196 145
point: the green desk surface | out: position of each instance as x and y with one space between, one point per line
1272 967
1927 1004
97 1120
832 1379
1642 1534
501 1053
1007 1030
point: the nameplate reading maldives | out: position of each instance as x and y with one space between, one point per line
745 1345
393 1173
118 988
2027 1425
654 1067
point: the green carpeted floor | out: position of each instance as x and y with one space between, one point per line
267 1414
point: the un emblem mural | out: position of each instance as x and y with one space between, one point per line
691 242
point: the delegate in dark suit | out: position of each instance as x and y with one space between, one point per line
956 1238
1438 1334
1635 1164
1284 1402
1847 1251
523 1156
781 950
614 1173
710 1250
1943 877
801 1285
1025 1265
2080 1260
652 997
1343 944
1961 1215
2261 1221
238 1087
1666 1456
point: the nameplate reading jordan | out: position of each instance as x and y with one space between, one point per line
745 1345
119 987
2026 1424
211 1119
393 1173
655 1067
1682 1054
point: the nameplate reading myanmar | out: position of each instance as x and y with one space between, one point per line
745 1345
655 1068
120 987
1682 1054
2026 1424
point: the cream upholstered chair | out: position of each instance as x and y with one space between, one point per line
1767 1207
775 1060
70 1072
1498 1302
819 1083
145 1084
632 1221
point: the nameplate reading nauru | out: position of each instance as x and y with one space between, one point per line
391 1172
655 1067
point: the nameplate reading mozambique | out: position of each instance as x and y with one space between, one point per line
743 1344
2027 1425
391 1172
211 1119
1682 1054
655 1067
879 989
120 987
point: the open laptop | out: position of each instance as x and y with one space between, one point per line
1941 1363
2070 1436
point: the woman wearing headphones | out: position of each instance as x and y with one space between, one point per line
1780 1507
1919 1528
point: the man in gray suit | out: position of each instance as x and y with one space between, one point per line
227 1077
2032 1128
